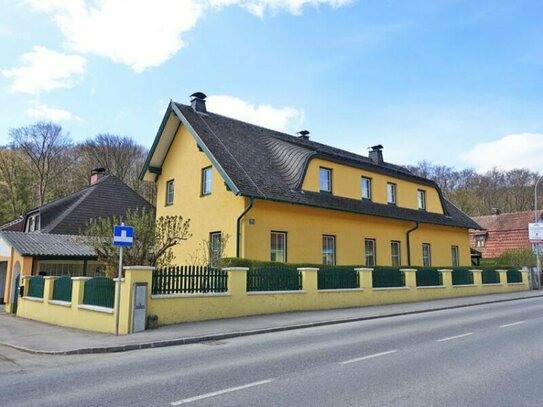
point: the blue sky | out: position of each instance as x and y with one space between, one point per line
454 82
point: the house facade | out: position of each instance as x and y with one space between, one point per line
44 240
287 198
502 232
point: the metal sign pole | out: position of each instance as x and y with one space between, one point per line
117 314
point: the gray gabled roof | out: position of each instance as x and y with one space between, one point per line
266 164
48 245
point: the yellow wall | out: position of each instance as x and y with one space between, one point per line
346 182
212 213
306 225
26 264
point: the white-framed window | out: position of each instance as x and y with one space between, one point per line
421 198
369 252
454 256
366 188
391 193
328 250
33 223
170 189
325 179
278 250
206 181
395 253
426 255
480 241
215 249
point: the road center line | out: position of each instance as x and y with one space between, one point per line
512 324
217 393
375 355
453 337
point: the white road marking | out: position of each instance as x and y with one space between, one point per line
375 355
453 337
217 393
512 324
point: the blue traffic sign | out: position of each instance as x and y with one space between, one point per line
123 235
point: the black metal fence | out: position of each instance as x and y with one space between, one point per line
335 278
428 277
462 277
35 286
274 279
514 276
385 277
490 276
189 280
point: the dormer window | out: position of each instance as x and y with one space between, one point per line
421 197
325 180
391 193
33 223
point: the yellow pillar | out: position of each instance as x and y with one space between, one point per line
503 276
132 276
410 277
310 282
49 282
78 289
237 280
446 277
366 277
525 277
25 282
477 277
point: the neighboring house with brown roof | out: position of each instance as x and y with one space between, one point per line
44 240
502 232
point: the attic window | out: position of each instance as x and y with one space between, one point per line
480 241
170 186
325 179
33 223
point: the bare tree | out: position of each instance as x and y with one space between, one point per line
15 180
46 145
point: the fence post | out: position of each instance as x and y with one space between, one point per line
78 290
503 276
26 284
309 278
132 275
365 276
48 284
525 277
237 280
477 277
410 277
446 277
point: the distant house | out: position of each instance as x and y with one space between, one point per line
502 232
44 240
287 198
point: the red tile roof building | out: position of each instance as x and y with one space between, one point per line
503 231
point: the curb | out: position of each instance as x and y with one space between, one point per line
215 337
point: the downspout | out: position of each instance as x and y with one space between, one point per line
238 230
409 243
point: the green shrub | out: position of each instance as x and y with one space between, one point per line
518 258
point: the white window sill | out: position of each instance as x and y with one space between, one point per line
390 288
35 299
96 308
432 286
61 303
340 290
199 295
275 292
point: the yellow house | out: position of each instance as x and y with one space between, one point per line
287 198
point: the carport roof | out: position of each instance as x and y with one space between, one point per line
48 245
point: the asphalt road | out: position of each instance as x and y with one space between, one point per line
487 355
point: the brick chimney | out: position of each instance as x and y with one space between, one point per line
97 174
198 102
376 154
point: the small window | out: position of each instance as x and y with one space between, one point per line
369 252
215 248
170 185
426 255
395 253
480 241
325 179
366 188
329 250
454 256
421 195
206 181
391 193
278 247
33 223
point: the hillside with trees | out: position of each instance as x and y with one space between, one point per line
42 163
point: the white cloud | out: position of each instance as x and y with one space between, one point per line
43 69
524 150
144 34
44 112
286 119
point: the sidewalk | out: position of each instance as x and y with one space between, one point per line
36 337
